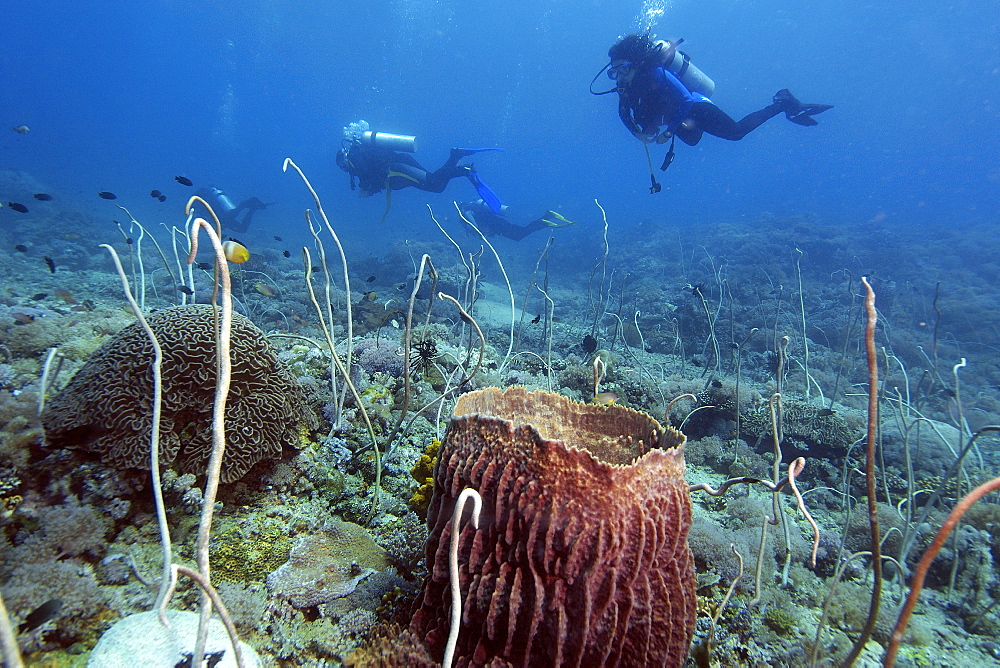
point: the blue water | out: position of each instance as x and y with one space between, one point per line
124 96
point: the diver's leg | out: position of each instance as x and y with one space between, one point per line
404 175
438 180
514 232
716 122
689 133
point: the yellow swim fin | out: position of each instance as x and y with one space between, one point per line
551 223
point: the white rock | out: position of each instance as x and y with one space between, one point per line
140 640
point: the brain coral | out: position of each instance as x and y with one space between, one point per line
327 565
581 556
107 407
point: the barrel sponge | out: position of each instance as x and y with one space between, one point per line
107 407
581 556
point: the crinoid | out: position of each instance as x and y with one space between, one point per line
424 353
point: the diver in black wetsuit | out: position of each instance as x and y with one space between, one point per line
491 224
660 96
229 213
377 168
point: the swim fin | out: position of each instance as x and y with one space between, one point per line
559 217
806 113
489 197
466 152
797 112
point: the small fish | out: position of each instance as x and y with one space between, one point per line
129 240
104 194
400 286
21 129
369 279
17 206
185 289
235 251
265 289
204 266
51 264
286 253
22 318
21 248
824 412
43 197
162 198
154 193
64 295
39 296
536 319
604 398
81 308
589 343
40 615
277 238
371 295
184 181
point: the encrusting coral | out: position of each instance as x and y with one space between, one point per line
581 555
107 407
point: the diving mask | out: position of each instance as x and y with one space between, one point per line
620 71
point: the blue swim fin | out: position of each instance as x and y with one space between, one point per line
489 197
466 152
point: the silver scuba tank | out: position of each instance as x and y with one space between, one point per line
392 142
680 65
222 201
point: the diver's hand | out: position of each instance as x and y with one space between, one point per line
645 137
664 137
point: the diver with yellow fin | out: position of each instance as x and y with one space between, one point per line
491 223
380 161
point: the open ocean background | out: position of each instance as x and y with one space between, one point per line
123 97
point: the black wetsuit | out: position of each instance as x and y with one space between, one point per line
657 99
229 215
491 224
376 167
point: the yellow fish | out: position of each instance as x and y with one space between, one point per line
235 252
604 398
265 289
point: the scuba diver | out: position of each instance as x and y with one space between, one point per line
229 213
661 96
376 161
491 224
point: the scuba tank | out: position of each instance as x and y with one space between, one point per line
221 202
392 142
679 64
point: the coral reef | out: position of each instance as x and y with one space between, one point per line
327 565
107 407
